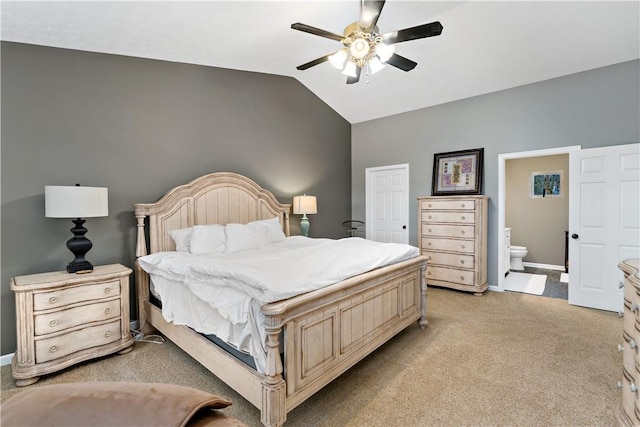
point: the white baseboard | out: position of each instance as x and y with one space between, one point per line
545 266
6 358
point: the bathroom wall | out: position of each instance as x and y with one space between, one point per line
539 223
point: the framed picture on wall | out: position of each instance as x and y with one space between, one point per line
546 184
457 172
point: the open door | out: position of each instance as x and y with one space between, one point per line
604 222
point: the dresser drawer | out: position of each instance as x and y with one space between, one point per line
65 344
450 217
65 319
451 245
459 204
453 260
452 275
460 231
75 294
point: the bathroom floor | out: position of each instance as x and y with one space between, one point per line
553 287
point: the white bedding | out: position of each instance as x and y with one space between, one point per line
235 285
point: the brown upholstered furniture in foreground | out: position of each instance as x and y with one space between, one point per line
115 404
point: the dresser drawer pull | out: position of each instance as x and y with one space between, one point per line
463 217
429 216
429 243
462 246
429 230
53 349
107 334
620 285
461 261
53 323
634 307
107 310
430 205
461 277
462 205
53 300
620 348
461 231
429 273
632 344
107 290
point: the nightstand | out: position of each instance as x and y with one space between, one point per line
63 319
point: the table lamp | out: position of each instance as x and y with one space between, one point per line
305 205
76 202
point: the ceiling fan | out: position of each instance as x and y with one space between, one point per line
365 46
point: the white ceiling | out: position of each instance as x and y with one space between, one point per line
484 47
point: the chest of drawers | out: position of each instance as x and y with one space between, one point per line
628 413
453 233
63 319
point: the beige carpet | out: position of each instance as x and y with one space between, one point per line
504 359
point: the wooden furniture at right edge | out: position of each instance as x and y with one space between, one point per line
452 231
628 413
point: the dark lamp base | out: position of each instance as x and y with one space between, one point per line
79 246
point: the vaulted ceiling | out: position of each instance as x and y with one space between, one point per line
484 47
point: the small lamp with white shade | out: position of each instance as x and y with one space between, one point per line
305 205
77 202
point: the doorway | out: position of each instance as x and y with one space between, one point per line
387 203
502 158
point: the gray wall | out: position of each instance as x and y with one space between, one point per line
595 108
539 223
140 127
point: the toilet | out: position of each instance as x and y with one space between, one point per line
517 253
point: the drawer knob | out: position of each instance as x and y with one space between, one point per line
107 334
429 230
634 307
463 217
620 348
461 277
461 231
462 205
54 322
461 261
53 300
107 290
429 243
620 285
633 344
429 216
53 349
107 310
462 246
430 205
429 273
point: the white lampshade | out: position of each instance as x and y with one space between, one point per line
375 65
385 51
75 201
350 70
338 59
305 205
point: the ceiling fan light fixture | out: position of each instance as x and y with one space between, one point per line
338 59
350 69
359 48
385 51
375 65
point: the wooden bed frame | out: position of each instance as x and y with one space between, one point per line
324 332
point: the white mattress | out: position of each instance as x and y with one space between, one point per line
222 294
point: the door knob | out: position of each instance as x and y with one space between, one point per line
404 227
574 236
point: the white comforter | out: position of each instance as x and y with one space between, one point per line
237 284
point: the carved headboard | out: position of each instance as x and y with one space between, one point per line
217 198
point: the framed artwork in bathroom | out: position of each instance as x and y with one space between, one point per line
457 172
546 184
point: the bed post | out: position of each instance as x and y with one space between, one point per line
422 322
274 409
142 278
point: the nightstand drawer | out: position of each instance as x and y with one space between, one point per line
461 231
459 204
75 294
455 217
65 344
452 260
65 319
451 245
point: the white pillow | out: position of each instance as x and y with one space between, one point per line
241 237
208 239
182 238
274 229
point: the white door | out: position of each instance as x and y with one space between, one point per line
387 203
604 222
